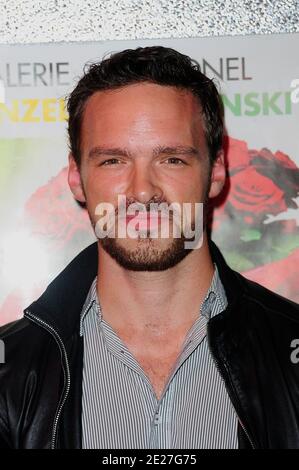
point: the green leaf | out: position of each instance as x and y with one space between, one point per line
250 235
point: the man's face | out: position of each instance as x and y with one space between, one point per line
147 142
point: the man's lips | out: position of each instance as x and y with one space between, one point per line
146 220
143 216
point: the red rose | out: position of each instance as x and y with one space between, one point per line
259 183
254 193
53 213
279 158
280 169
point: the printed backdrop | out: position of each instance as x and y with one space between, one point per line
256 220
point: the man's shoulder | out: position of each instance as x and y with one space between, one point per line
16 327
22 340
17 331
268 301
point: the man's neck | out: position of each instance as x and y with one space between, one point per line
154 302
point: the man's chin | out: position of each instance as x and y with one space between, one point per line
145 254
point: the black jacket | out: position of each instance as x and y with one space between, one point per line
41 380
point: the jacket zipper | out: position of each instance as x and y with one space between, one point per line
239 419
66 371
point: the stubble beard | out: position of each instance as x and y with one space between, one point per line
146 254
151 254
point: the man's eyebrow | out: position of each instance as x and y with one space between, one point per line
114 151
159 150
177 150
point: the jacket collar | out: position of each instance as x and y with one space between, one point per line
61 304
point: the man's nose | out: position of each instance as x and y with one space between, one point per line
144 185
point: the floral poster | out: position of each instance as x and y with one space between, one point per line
255 222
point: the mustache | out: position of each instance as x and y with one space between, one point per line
149 206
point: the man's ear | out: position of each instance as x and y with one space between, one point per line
74 180
218 175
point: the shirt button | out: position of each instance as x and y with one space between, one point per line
157 419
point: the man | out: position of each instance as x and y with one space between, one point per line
142 342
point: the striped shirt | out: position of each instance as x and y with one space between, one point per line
120 409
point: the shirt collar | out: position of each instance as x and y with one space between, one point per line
215 293
91 299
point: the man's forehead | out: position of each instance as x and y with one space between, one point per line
133 109
114 117
143 92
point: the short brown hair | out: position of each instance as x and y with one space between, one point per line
160 65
